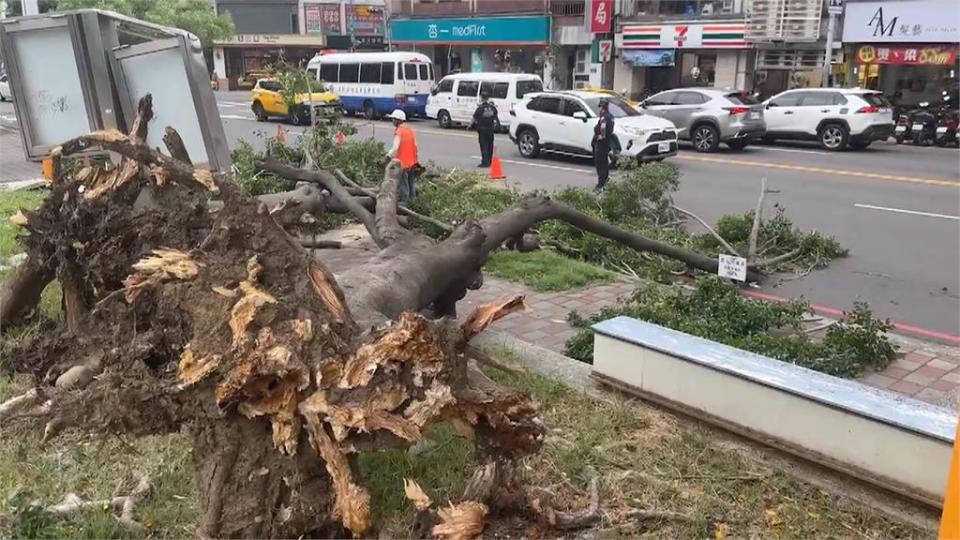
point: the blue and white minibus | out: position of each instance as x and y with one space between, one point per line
376 83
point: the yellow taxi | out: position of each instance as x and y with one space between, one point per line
268 100
598 90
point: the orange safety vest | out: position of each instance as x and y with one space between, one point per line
407 152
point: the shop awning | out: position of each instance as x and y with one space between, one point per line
272 40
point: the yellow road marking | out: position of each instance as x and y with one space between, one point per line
834 172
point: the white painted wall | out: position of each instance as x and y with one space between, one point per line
731 69
220 65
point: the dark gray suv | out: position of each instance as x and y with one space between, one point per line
710 116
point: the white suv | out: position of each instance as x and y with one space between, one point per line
834 117
563 122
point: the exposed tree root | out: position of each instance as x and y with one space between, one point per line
122 505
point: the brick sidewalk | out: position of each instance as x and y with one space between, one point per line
13 165
926 371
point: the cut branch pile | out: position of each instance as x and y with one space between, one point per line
179 316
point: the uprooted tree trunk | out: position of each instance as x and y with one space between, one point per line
221 323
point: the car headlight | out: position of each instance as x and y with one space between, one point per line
639 132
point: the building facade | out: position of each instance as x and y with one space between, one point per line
906 49
293 31
552 38
668 44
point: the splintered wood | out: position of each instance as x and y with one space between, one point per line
162 265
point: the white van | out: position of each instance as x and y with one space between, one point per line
457 96
374 84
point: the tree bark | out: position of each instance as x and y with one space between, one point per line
20 294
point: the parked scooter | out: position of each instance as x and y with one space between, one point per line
947 128
901 131
923 125
949 118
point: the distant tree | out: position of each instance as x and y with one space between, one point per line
195 16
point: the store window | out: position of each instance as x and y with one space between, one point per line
708 67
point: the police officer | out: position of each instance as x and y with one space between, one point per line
602 134
486 120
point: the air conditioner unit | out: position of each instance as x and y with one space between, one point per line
726 7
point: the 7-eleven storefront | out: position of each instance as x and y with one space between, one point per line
655 57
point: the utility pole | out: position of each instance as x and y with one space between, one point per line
834 8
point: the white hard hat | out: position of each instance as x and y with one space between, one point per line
397 114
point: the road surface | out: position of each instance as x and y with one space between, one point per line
896 208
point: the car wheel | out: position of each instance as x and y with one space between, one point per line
899 139
259 112
737 144
295 119
443 118
529 143
705 138
369 111
833 137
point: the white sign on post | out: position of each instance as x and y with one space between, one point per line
732 267
834 7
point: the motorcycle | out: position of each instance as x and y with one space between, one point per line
901 131
947 128
923 125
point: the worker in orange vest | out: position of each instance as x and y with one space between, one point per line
405 149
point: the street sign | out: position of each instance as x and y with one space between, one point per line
834 7
606 50
732 267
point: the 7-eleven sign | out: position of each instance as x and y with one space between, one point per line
680 34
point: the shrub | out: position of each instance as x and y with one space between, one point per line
715 310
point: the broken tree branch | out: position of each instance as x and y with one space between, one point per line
535 209
755 230
332 185
709 229
568 520
388 225
402 208
174 144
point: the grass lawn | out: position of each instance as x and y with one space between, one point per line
10 202
545 270
644 459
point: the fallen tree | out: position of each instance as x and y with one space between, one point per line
219 322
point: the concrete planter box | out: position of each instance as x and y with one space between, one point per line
896 442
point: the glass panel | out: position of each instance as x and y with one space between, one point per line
468 88
328 72
410 72
386 73
526 87
370 73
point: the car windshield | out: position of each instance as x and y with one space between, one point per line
618 107
741 98
877 100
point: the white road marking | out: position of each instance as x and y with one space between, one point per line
543 166
232 104
236 117
902 211
798 151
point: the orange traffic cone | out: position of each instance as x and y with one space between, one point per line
496 169
340 138
281 136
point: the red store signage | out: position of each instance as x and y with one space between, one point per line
927 56
601 16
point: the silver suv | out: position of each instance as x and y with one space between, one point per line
709 116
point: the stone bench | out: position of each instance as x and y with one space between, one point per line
884 438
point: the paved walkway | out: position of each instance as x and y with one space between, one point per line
926 371
13 165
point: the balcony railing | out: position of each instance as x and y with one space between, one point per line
421 8
682 9
567 8
511 6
